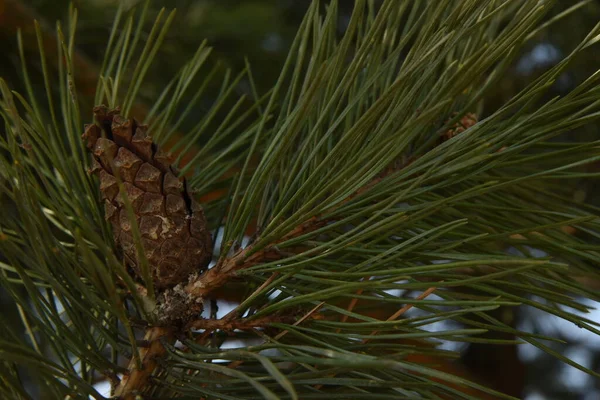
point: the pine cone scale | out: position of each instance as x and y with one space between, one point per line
148 178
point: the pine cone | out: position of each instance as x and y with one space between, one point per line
465 123
174 234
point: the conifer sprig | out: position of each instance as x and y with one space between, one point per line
347 189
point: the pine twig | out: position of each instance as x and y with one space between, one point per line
404 309
228 325
133 383
226 268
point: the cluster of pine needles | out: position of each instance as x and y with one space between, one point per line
359 188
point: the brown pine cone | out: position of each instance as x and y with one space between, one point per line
174 234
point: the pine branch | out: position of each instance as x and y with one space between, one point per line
363 198
232 324
136 380
248 257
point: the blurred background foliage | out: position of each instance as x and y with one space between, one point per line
261 32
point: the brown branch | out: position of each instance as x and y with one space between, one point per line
243 324
310 314
404 309
134 383
227 267
352 304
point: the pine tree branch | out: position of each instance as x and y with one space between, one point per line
390 234
133 383
244 258
229 325
226 268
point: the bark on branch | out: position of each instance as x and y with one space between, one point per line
132 384
243 324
